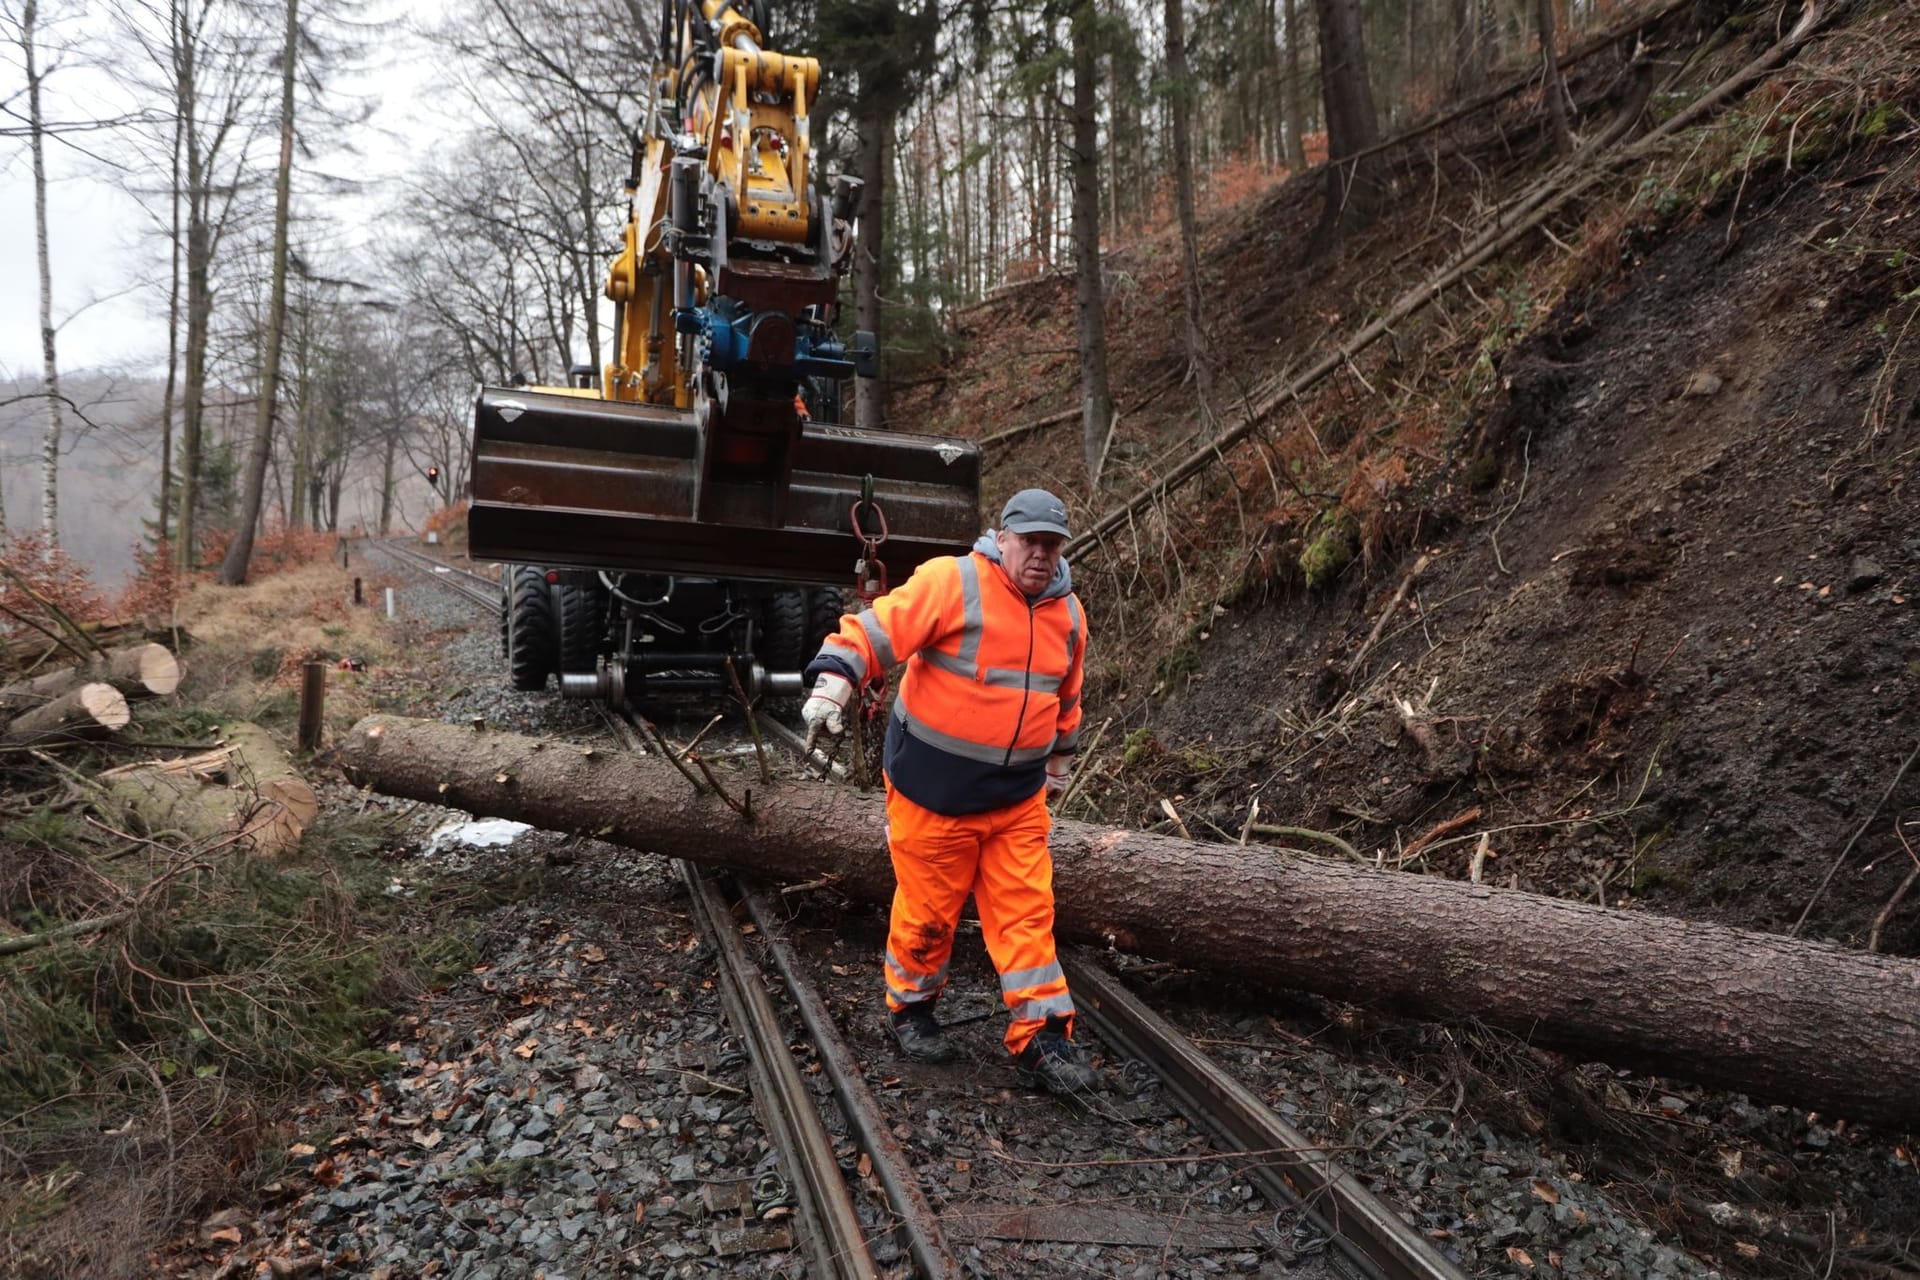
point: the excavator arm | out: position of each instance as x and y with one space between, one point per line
710 446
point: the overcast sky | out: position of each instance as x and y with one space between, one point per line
101 246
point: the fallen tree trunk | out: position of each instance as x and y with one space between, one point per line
245 794
90 711
1803 1023
138 671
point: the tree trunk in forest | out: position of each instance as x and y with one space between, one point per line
233 569
50 367
1096 400
300 512
1354 188
873 121
199 287
1295 97
386 479
163 523
1181 100
1553 89
1804 1023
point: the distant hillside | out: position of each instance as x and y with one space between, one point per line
109 466
110 471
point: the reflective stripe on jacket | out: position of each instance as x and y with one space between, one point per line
992 685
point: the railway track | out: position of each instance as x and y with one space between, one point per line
856 1148
477 587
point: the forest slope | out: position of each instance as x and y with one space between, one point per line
1664 648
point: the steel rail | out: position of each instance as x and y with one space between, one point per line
1366 1229
834 1238
1291 1168
926 1243
446 574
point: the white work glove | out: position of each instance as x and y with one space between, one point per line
1059 769
826 706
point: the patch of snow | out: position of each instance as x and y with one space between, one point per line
475 833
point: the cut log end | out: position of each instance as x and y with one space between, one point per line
107 706
90 711
157 670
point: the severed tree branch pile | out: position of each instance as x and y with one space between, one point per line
244 792
1803 1023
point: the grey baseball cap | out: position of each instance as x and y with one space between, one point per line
1034 511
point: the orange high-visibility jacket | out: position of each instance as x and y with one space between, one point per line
992 685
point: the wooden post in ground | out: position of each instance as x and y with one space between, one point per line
313 700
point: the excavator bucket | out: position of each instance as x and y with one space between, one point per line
570 481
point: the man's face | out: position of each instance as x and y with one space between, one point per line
1029 558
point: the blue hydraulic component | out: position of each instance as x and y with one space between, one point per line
734 337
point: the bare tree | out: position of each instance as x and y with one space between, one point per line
26 35
1354 189
881 48
1553 89
554 116
1292 147
1180 90
233 569
199 53
1096 399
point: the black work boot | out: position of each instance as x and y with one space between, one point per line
1053 1062
919 1035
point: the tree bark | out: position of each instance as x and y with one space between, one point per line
1198 359
387 495
90 711
199 258
1553 89
263 806
164 524
139 671
1292 147
50 367
233 569
1353 186
1803 1023
874 125
1096 399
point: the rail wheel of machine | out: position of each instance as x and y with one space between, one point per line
526 629
784 643
583 620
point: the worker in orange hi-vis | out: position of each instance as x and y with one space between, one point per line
981 737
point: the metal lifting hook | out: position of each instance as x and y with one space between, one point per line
869 571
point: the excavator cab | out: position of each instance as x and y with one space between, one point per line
703 460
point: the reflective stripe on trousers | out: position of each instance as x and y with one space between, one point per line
1000 857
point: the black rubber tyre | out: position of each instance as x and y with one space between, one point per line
783 643
526 629
583 623
825 605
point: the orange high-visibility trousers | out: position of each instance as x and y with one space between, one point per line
1000 857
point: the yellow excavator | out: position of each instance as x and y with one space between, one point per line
680 519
